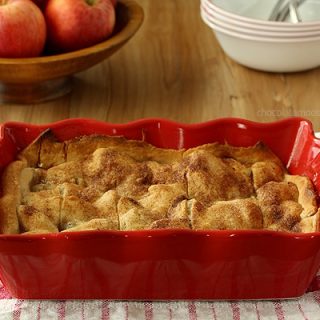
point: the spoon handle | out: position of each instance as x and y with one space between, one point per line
294 14
285 12
276 10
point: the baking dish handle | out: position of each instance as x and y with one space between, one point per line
305 155
313 169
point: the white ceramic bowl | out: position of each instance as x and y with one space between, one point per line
268 54
279 28
216 19
256 12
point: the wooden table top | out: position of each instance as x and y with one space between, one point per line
174 68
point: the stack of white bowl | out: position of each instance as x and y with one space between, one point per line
246 34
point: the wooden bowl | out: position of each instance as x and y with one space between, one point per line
31 80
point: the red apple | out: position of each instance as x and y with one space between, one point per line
41 3
77 24
22 29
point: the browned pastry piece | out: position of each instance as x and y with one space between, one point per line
266 171
170 224
39 209
76 210
107 207
130 167
52 152
178 216
31 154
246 166
11 196
67 172
279 205
32 219
82 147
290 205
19 206
94 224
46 151
212 179
180 211
307 196
309 224
64 208
161 197
164 173
133 216
152 209
245 155
78 149
108 169
89 193
233 215
310 215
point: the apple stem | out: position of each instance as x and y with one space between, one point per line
2 2
90 2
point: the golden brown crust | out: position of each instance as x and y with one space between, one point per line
77 210
107 168
133 216
28 177
8 216
11 197
44 152
31 218
309 224
285 216
307 197
247 156
279 204
111 183
161 197
52 152
163 173
232 215
68 172
170 224
94 224
31 154
178 215
212 179
46 201
266 171
82 147
107 207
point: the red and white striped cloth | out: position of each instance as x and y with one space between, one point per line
305 308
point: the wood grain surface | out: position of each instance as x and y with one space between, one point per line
174 68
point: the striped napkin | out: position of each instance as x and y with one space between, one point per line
305 308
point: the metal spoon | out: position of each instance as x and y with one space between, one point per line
294 14
275 12
279 14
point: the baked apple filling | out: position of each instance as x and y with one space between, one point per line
110 183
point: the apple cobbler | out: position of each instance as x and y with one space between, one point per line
111 183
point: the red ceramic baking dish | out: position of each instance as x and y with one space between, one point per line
167 264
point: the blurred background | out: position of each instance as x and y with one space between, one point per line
174 68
